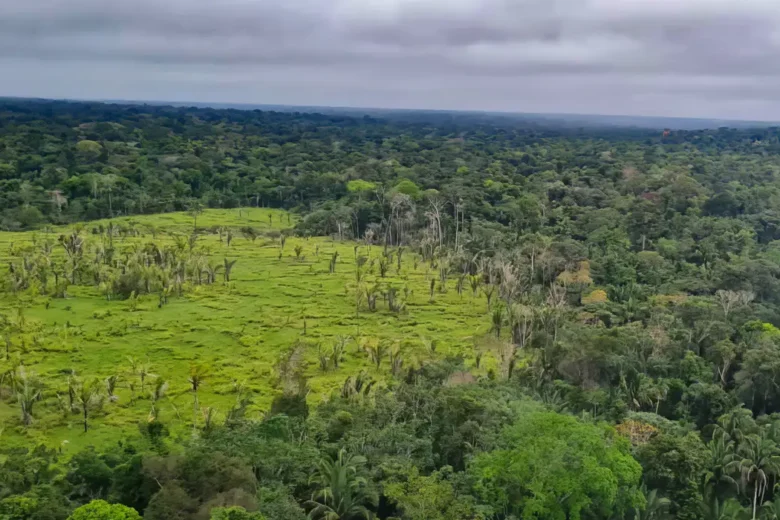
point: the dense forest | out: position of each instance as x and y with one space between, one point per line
630 280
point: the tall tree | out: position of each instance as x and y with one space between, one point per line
340 490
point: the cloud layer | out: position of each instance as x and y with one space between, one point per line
709 58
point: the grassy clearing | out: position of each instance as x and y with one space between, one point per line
240 329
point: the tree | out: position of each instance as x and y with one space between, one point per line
757 375
722 455
195 209
18 507
676 464
234 513
88 400
757 463
89 476
377 350
43 501
27 392
553 466
718 508
360 186
198 374
409 188
655 506
228 268
102 510
730 300
277 503
144 370
359 292
340 491
770 510
431 498
170 503
156 394
89 149
108 182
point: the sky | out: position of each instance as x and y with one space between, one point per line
687 58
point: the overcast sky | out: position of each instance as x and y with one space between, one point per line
693 58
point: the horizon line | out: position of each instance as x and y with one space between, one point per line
255 106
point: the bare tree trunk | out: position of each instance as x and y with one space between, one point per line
195 409
755 498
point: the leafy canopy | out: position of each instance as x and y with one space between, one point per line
554 466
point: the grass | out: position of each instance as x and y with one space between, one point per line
239 329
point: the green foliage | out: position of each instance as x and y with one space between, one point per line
407 187
170 503
340 492
278 503
234 513
676 464
431 498
553 466
89 148
41 502
17 507
360 186
88 475
102 510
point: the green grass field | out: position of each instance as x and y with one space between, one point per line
239 329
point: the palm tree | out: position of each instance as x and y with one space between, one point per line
134 364
158 391
88 398
28 392
111 382
197 374
144 371
337 351
195 208
228 268
430 345
8 343
211 271
333 259
771 510
737 424
729 509
722 458
359 275
757 462
655 506
488 290
396 360
341 491
73 385
475 281
497 319
108 182
377 350
7 374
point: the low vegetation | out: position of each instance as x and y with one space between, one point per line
109 323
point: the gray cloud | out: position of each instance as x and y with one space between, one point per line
712 58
